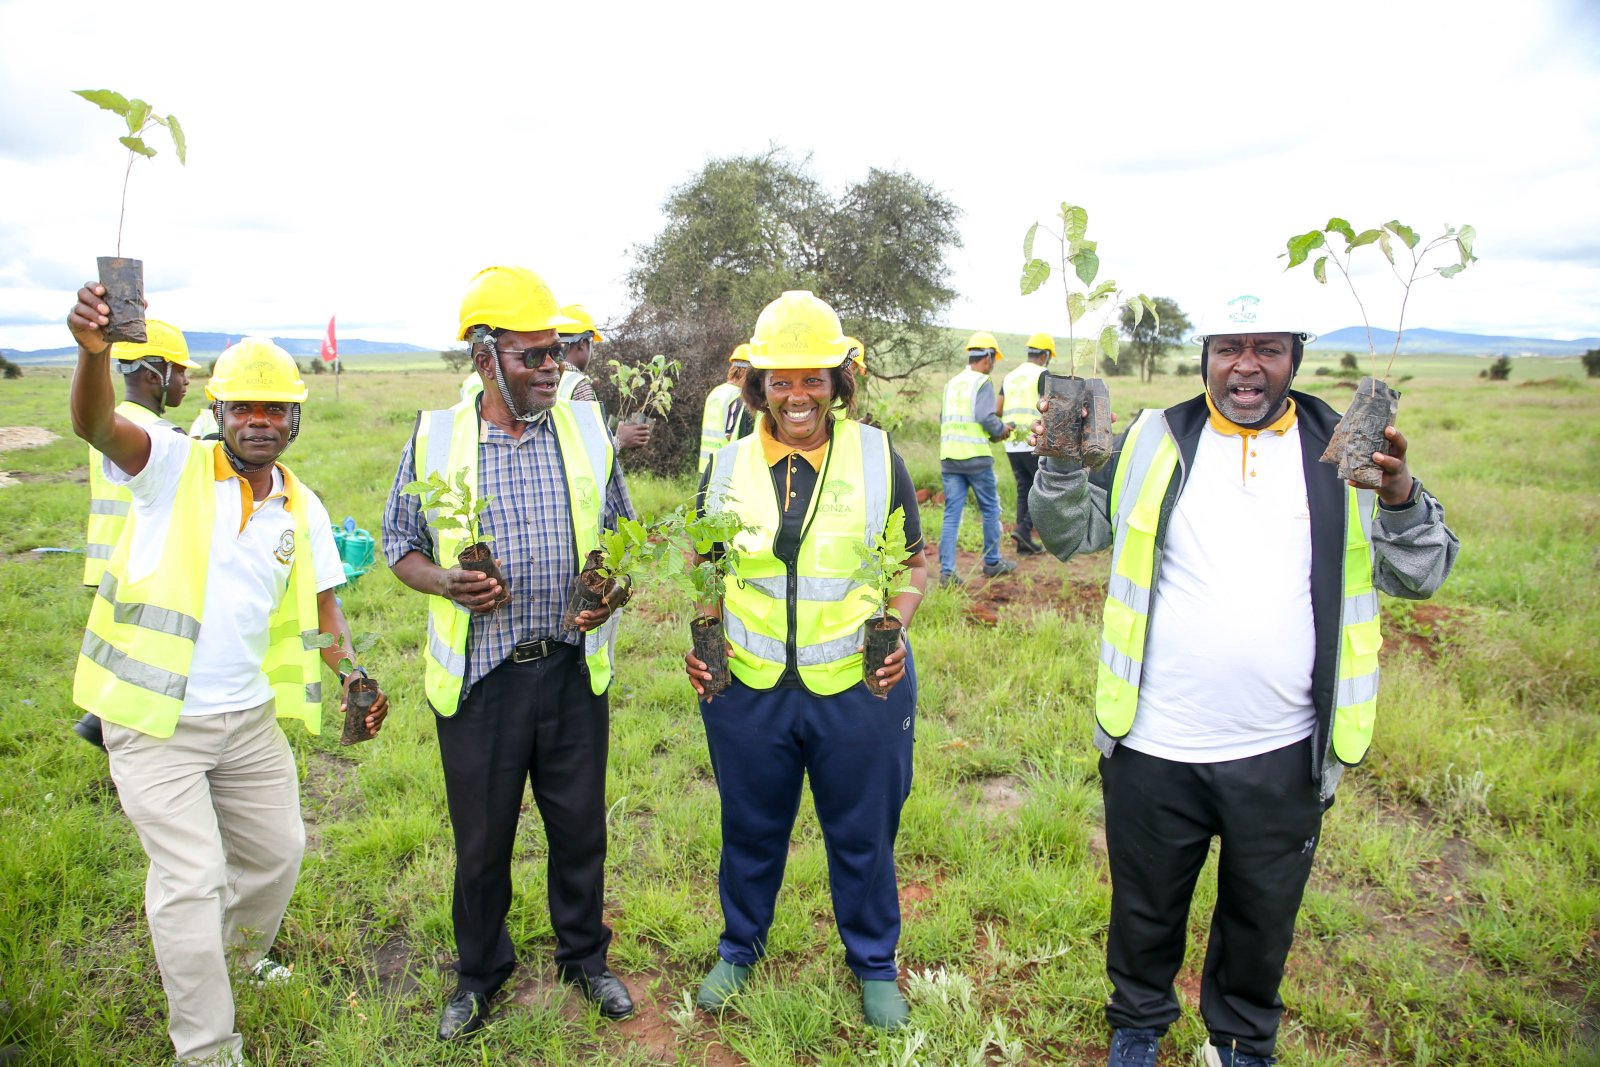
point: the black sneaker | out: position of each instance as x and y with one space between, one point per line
1025 544
995 570
1132 1047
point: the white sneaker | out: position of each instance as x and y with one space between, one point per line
268 971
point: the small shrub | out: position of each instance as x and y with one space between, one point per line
1591 362
1498 371
9 369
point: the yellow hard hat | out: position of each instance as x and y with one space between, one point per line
797 331
858 352
741 354
1043 342
985 340
162 341
583 323
510 298
256 369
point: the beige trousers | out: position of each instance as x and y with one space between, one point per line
217 808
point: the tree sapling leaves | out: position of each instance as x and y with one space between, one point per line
1034 273
1402 231
1027 241
1301 246
1086 264
134 144
1319 269
105 98
1110 343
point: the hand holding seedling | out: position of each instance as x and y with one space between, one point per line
380 708
633 434
1036 434
88 319
475 591
699 674
894 665
1396 487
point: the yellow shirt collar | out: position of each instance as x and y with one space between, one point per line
224 470
776 451
1224 425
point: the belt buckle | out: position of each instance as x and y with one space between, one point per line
529 651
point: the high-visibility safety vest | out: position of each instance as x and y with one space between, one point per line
447 442
960 435
1145 468
109 503
1021 389
133 668
569 383
471 386
815 614
714 429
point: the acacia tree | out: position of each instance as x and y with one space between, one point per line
1150 337
746 228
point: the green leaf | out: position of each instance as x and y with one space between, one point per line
1402 231
1464 241
1136 310
179 142
105 98
1103 288
138 111
1338 225
1110 343
1075 221
321 640
1150 306
1452 270
1086 264
1301 246
1075 306
134 144
1385 244
1034 273
1083 349
1027 241
1319 269
1365 237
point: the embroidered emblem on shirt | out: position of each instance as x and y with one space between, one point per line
284 553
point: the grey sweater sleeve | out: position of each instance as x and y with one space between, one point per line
983 412
1068 509
1413 549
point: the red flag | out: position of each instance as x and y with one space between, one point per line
330 346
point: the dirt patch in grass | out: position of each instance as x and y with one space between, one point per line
1002 795
24 437
1423 631
327 794
391 962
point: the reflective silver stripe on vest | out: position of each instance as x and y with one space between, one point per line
721 479
1358 690
592 430
108 507
1366 504
966 438
875 465
830 651
1145 446
147 616
1124 667
441 427
314 693
96 551
1125 590
827 590
134 672
1021 411
308 641
1363 607
758 645
454 663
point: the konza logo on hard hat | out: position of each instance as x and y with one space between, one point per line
258 375
795 337
1243 308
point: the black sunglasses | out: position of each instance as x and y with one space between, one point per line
533 358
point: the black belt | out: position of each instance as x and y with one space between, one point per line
535 649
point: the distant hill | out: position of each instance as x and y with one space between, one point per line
1354 339
205 343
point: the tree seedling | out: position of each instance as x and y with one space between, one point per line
708 542
645 390
1068 431
1360 432
457 512
607 574
882 575
123 279
361 689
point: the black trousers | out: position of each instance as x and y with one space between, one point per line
1024 465
1160 818
528 723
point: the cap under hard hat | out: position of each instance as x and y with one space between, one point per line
162 341
798 331
256 369
510 298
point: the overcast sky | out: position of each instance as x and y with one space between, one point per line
366 159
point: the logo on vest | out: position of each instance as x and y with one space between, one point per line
284 553
834 488
588 495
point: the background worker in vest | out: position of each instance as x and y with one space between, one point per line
1238 681
155 377
517 698
724 418
1019 407
579 337
813 484
196 645
968 423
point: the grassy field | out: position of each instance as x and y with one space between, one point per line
1452 916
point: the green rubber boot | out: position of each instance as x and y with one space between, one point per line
721 984
885 1008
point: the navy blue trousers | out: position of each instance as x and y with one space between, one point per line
856 750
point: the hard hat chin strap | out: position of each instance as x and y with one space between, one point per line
486 338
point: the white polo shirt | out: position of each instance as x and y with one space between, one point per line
252 548
1228 659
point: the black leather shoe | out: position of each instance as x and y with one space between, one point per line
88 728
1026 544
465 1013
606 991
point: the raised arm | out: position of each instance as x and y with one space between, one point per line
93 402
